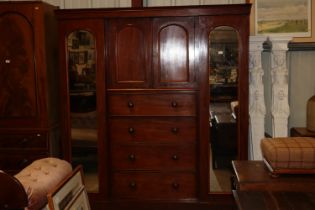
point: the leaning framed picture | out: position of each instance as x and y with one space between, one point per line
70 190
283 18
80 201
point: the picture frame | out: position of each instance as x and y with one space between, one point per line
73 57
82 57
75 44
283 18
69 193
84 38
80 201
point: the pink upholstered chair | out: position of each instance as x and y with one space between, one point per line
31 185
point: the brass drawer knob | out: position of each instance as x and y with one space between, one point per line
175 130
130 104
131 130
24 141
174 104
133 184
175 185
175 157
131 157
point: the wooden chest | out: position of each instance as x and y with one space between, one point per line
153 145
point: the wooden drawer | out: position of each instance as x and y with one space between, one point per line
13 161
152 104
163 130
162 157
24 141
148 186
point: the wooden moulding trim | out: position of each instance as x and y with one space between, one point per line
179 11
301 46
293 46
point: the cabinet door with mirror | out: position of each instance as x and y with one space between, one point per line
223 84
82 82
227 96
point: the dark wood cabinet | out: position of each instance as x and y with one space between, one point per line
152 93
301 131
29 84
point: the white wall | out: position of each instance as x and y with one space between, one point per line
301 66
301 85
69 4
151 3
72 4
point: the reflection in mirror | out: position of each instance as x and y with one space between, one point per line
223 105
82 93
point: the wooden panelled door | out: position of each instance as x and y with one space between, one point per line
18 88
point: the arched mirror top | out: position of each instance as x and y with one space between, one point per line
224 61
229 33
81 61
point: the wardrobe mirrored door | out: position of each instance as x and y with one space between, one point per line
82 98
223 83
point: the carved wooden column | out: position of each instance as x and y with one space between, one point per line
257 109
279 76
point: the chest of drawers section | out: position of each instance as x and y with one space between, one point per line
18 150
153 144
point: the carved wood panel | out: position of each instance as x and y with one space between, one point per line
173 52
17 67
130 56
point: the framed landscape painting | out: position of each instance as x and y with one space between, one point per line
283 17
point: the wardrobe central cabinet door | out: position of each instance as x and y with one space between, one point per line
174 52
129 53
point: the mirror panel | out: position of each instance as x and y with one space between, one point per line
223 105
83 110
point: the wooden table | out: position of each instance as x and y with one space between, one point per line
223 140
274 200
255 189
254 176
301 131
